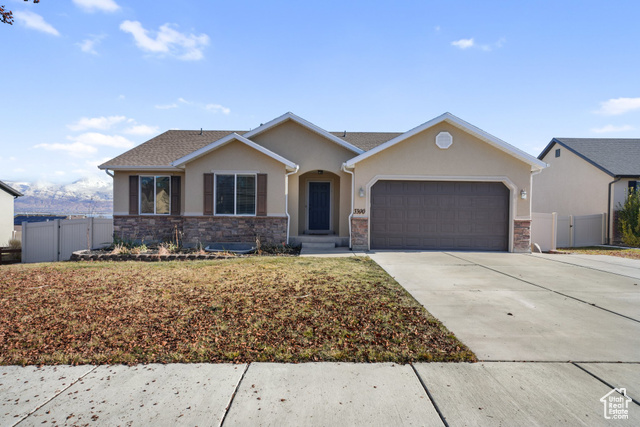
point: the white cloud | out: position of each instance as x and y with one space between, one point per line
617 106
59 173
88 45
97 5
463 43
35 22
121 97
612 129
167 41
101 123
75 149
141 130
166 107
217 108
184 101
95 138
19 170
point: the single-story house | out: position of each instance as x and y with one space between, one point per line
7 196
587 176
445 184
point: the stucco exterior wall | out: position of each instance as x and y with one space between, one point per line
620 191
235 157
570 185
467 157
6 217
311 152
121 189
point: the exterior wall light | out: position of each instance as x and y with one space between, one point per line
361 192
523 194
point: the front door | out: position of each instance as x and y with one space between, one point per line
319 206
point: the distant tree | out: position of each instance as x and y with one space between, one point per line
6 17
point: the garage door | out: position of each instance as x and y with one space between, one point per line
440 215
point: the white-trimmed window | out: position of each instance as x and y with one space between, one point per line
235 194
155 195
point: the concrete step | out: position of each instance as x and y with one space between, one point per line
318 245
337 240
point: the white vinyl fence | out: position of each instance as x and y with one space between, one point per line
551 231
56 240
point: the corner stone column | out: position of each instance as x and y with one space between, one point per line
522 236
360 234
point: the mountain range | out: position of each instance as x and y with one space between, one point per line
86 196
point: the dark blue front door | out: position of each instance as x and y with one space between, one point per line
319 205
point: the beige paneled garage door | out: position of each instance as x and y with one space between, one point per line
440 215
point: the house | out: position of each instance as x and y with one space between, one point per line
587 176
443 185
7 196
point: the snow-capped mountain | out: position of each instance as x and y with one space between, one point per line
88 196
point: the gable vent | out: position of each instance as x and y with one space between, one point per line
444 140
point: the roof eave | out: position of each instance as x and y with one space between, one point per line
10 190
582 156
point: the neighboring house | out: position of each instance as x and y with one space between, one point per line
7 196
587 176
443 185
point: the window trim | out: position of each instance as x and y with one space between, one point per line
235 192
155 206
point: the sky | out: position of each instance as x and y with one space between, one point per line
82 81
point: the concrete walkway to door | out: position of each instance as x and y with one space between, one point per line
516 307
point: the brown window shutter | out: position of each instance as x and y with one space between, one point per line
175 195
133 194
261 209
208 194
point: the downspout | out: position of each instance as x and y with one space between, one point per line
286 199
353 195
108 173
609 222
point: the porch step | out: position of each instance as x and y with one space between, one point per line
318 245
332 239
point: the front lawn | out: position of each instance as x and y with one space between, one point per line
633 253
237 310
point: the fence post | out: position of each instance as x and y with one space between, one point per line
89 233
56 240
554 231
23 239
604 229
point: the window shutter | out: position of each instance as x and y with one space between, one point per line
208 194
261 209
133 194
175 195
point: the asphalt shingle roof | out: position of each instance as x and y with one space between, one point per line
618 157
174 144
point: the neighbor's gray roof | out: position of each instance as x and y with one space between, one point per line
10 190
174 144
615 156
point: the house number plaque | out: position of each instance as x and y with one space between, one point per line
359 211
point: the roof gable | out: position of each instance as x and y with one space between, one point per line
224 141
290 116
461 124
617 157
8 189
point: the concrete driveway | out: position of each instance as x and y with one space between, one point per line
516 307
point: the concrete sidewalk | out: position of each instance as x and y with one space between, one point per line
328 394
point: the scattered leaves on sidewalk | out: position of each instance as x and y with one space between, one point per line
243 310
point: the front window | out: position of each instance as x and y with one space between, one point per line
155 195
235 194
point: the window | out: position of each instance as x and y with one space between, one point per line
155 195
634 186
235 194
557 152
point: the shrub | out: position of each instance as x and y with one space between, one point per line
629 219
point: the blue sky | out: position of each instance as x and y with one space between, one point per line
84 80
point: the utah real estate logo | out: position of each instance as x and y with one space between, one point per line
616 404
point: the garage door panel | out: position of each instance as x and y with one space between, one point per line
439 215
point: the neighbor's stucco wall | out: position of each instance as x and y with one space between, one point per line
6 217
121 188
234 157
620 191
468 157
570 185
311 152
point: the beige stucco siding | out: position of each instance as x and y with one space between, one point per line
235 157
570 185
312 152
468 158
6 217
121 188
620 191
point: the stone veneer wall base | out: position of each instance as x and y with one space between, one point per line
522 236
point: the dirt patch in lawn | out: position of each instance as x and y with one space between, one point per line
239 310
633 253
